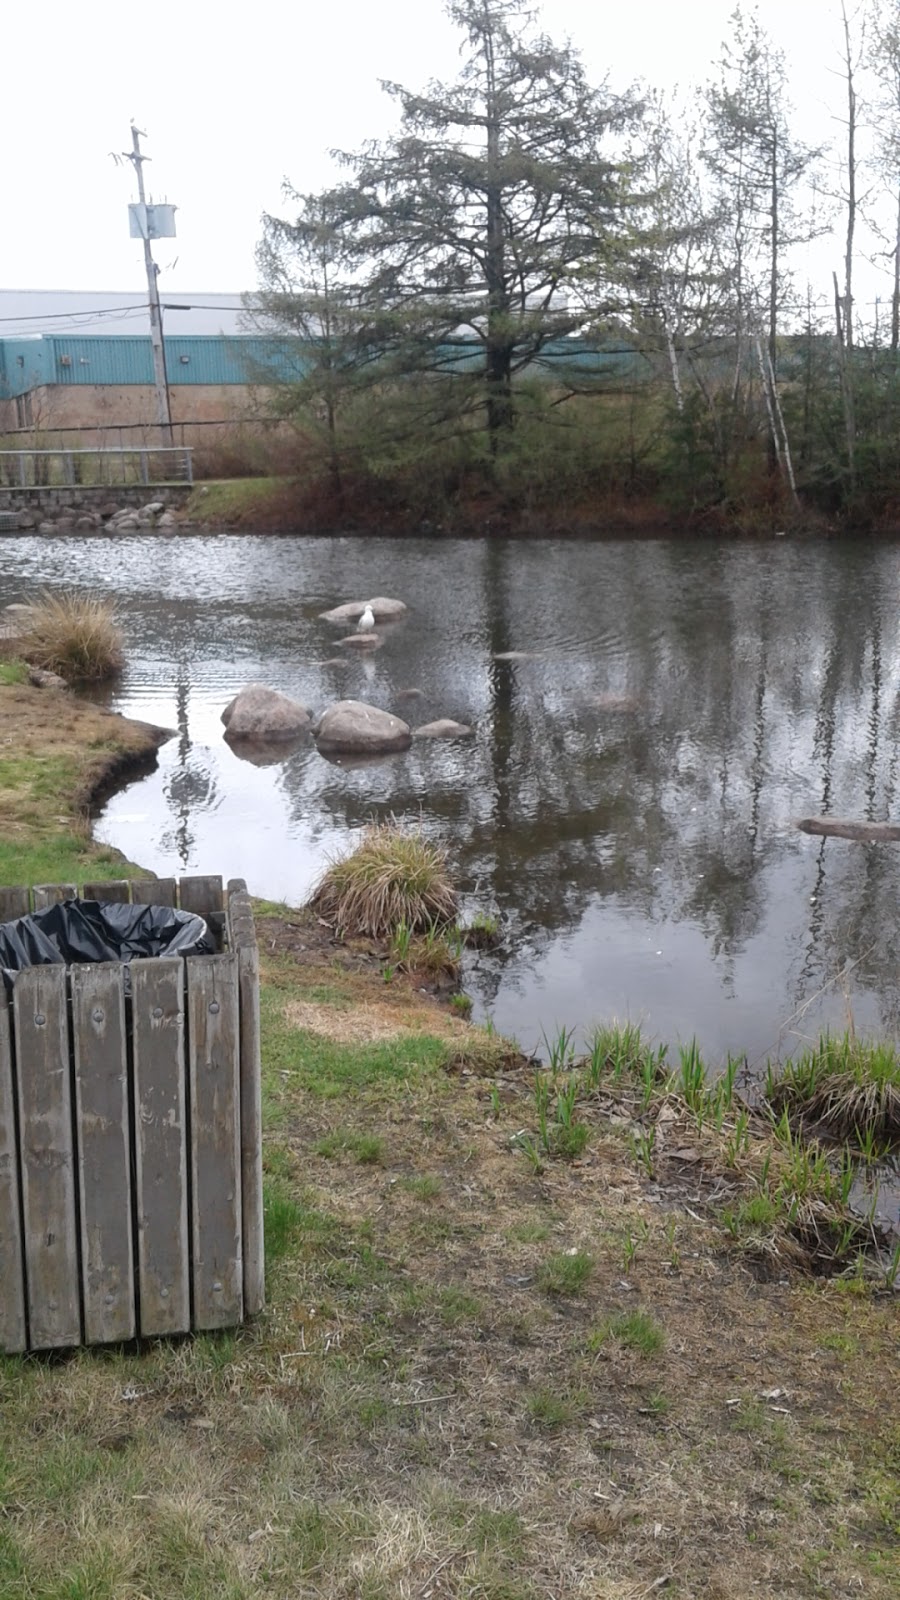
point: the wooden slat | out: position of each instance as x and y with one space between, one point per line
215 1141
102 1139
114 890
242 939
157 988
48 1179
12 1284
15 901
202 895
49 894
153 891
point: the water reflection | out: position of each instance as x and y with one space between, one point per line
663 713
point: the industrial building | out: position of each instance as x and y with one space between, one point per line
78 361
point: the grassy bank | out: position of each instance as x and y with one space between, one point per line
58 753
253 505
501 1360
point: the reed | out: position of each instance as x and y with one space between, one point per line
848 1086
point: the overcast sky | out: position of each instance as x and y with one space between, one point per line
235 99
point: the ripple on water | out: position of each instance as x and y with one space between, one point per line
628 795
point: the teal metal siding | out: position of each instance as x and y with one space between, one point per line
204 358
113 360
210 359
24 364
200 359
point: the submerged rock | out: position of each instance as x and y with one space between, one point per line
360 641
262 713
383 610
352 726
264 752
607 700
443 728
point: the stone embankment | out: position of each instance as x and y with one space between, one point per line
112 508
110 517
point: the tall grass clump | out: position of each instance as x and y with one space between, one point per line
847 1085
618 1052
394 878
74 635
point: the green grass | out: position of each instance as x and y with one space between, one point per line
841 1343
425 1187
529 1232
658 1404
13 672
366 1148
61 858
564 1274
501 1530
282 1221
482 933
456 1306
234 500
851 1086
58 859
46 777
556 1408
634 1330
756 1214
620 1053
296 1058
461 1004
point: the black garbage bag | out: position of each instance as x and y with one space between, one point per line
98 930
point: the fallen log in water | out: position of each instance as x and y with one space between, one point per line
868 832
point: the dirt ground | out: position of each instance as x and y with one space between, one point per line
485 1371
677 1415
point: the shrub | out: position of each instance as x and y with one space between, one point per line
75 635
394 878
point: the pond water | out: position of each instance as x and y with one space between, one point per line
627 805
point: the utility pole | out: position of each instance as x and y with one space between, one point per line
160 376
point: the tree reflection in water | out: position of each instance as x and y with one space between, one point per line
633 781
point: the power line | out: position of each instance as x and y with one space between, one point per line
112 311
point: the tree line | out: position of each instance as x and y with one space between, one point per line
549 293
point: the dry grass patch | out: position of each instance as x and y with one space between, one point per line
371 1023
74 635
393 878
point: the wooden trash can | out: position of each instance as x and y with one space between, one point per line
130 1137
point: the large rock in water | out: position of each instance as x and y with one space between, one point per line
383 610
262 713
351 725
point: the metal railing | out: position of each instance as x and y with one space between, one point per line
107 466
